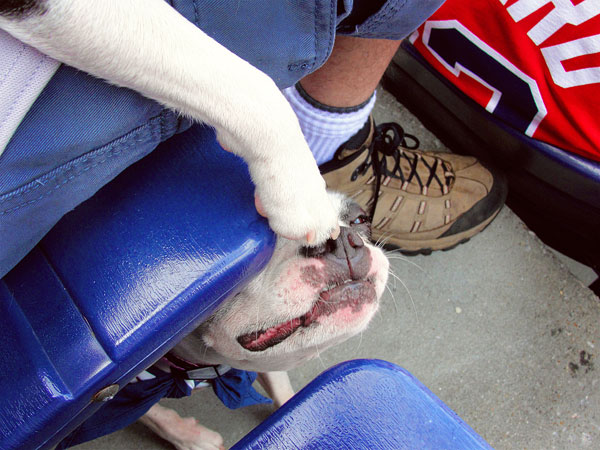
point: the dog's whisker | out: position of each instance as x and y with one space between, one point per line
395 251
379 314
257 320
391 271
409 295
393 298
400 258
393 274
359 342
376 243
319 356
383 239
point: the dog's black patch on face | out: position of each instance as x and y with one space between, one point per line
21 8
358 221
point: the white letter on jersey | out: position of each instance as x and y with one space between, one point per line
564 12
556 54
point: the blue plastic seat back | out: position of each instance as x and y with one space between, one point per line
122 279
363 404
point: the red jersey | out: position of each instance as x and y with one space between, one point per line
534 64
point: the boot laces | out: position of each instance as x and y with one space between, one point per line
389 139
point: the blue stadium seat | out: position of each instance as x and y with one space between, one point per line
120 280
363 404
128 273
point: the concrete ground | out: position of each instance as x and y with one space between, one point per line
499 328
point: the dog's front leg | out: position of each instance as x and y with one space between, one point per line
184 434
147 46
277 385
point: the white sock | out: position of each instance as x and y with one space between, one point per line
326 128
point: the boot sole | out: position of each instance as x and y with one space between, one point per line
426 247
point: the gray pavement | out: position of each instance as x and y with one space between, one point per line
500 329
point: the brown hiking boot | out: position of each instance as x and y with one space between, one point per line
419 201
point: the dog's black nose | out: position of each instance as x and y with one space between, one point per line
347 245
347 250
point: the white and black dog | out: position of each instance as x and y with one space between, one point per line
306 300
309 297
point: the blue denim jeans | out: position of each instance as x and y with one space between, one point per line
81 132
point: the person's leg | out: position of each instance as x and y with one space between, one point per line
352 72
335 101
419 201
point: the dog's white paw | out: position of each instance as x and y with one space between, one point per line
297 204
190 435
290 190
183 433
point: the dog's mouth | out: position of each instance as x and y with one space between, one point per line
350 294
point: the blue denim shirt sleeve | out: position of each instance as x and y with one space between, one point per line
286 40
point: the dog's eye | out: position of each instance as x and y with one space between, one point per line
360 220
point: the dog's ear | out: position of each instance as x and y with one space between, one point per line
20 8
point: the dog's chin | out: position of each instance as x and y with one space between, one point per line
342 307
291 345
339 312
